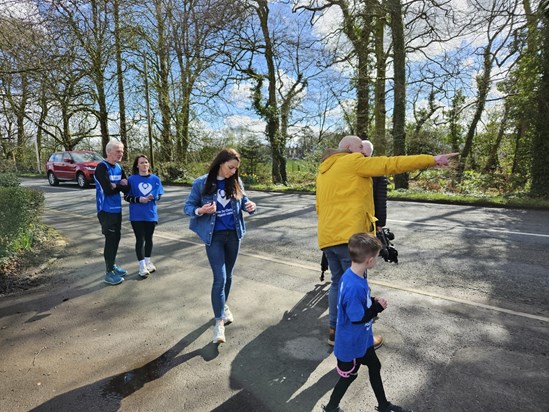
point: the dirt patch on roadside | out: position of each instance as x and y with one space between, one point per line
29 269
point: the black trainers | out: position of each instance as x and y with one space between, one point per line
391 408
325 409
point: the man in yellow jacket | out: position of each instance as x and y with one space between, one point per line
345 203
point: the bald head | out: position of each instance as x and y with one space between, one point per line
367 148
351 143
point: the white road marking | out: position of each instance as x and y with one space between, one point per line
374 282
475 228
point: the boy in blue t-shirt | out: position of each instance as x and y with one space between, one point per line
356 309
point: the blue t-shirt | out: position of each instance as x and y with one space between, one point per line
144 186
224 219
105 202
352 340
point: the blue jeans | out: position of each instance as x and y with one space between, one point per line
222 255
338 261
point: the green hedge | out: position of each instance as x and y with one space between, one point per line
9 180
20 211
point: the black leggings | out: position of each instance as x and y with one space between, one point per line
143 238
111 225
371 360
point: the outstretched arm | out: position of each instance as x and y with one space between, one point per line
442 160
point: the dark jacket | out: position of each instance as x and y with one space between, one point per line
380 200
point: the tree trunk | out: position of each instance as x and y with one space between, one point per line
540 143
483 84
120 76
163 85
399 111
492 162
183 129
271 110
454 117
519 132
43 101
363 93
20 114
380 139
184 113
103 111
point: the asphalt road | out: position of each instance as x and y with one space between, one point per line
466 330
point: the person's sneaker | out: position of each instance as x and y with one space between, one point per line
331 336
113 279
227 316
119 271
143 272
150 267
378 341
325 409
219 333
391 408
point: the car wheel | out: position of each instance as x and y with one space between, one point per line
82 182
52 179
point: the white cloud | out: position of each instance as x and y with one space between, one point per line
240 94
247 123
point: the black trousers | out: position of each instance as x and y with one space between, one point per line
143 238
111 226
371 360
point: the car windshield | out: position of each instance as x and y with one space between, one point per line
86 157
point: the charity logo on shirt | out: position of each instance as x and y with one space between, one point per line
145 188
223 201
224 216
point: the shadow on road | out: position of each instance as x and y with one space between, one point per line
273 371
107 394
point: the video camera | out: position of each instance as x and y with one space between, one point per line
388 252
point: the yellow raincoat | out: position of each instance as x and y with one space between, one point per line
344 194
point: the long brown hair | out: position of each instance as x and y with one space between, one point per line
232 184
135 168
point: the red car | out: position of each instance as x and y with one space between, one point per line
75 165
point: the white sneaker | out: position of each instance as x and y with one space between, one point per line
143 272
219 333
150 267
228 316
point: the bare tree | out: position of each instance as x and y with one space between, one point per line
498 19
118 45
283 83
203 34
380 111
15 81
88 25
358 25
399 63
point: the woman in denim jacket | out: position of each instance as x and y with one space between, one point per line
215 206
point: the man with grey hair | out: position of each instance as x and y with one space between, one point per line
110 180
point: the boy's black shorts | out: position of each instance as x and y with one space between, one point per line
110 222
370 359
